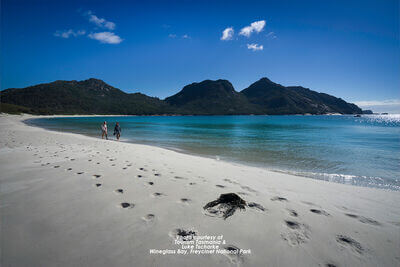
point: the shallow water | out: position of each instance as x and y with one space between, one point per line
353 150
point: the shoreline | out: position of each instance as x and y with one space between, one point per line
321 176
54 212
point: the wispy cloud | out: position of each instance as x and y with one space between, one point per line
227 34
255 47
387 102
106 37
271 35
256 26
171 35
389 105
100 22
185 36
68 33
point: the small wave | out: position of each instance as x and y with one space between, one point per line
365 181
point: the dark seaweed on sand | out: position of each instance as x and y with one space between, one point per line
227 204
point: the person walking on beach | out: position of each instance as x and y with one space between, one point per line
104 130
117 131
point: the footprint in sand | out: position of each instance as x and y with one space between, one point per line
230 181
279 199
185 200
180 178
255 206
220 186
320 212
96 176
79 173
309 203
150 183
120 191
126 205
363 219
298 233
293 213
192 183
98 185
248 189
124 168
292 224
149 217
69 169
157 194
57 166
157 174
349 242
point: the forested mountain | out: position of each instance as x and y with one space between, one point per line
208 97
90 96
211 97
273 98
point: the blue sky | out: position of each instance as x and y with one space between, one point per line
349 49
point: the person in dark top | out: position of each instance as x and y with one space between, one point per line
117 131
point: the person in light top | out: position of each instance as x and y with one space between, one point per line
104 130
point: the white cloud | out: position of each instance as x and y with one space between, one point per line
227 34
171 35
389 105
255 47
185 36
69 33
256 26
106 37
100 22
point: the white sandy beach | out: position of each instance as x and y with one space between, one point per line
59 207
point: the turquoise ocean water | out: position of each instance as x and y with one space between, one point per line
362 151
